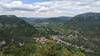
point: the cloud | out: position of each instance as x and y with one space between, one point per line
17 5
49 8
8 1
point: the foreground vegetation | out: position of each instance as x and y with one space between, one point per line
50 48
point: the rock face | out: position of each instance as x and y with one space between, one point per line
2 44
41 40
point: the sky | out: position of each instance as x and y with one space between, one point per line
48 8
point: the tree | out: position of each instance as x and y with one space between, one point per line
53 49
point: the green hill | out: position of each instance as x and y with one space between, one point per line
84 31
12 27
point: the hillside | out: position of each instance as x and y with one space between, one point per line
84 31
89 20
12 27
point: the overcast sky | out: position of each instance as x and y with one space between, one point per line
48 8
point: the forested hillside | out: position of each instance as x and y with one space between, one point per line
14 28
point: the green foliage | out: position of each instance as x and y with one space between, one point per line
15 50
53 49
45 31
36 49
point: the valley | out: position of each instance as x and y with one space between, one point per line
58 36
